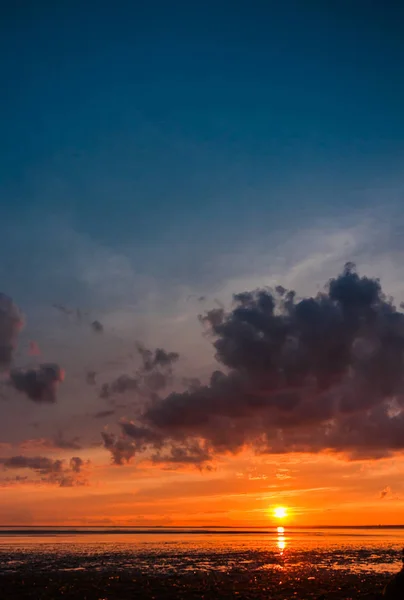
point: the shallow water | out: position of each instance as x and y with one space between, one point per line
161 552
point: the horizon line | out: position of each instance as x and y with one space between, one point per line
202 527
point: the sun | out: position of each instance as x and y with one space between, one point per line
280 512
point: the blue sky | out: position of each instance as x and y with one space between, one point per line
154 150
134 118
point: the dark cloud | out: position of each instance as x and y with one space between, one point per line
59 442
142 436
120 385
91 377
156 381
76 464
50 470
157 358
75 314
191 383
154 374
97 327
66 444
103 413
40 385
11 481
63 309
135 439
11 322
42 464
122 449
303 375
193 453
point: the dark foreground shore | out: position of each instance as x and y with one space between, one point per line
296 583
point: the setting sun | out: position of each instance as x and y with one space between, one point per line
280 512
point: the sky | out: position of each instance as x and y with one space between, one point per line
169 174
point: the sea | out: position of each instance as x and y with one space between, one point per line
164 551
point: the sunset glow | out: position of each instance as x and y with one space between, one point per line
197 336
202 300
280 512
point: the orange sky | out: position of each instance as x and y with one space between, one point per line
58 445
241 491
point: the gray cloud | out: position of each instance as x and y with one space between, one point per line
135 440
120 385
63 309
11 322
97 327
76 464
91 377
142 436
193 453
154 374
66 444
58 442
157 358
122 449
17 480
50 470
103 413
40 385
302 375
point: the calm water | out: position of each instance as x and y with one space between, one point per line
181 551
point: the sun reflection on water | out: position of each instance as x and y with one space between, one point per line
281 544
281 540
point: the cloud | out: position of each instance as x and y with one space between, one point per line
282 474
193 453
141 435
91 377
135 440
18 479
154 374
76 464
59 442
97 327
40 385
385 492
299 375
120 385
388 493
157 358
122 449
11 322
50 471
103 413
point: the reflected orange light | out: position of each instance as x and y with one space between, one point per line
280 529
281 544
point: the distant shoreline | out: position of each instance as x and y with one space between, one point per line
38 530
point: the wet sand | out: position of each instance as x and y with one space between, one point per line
299 566
296 583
